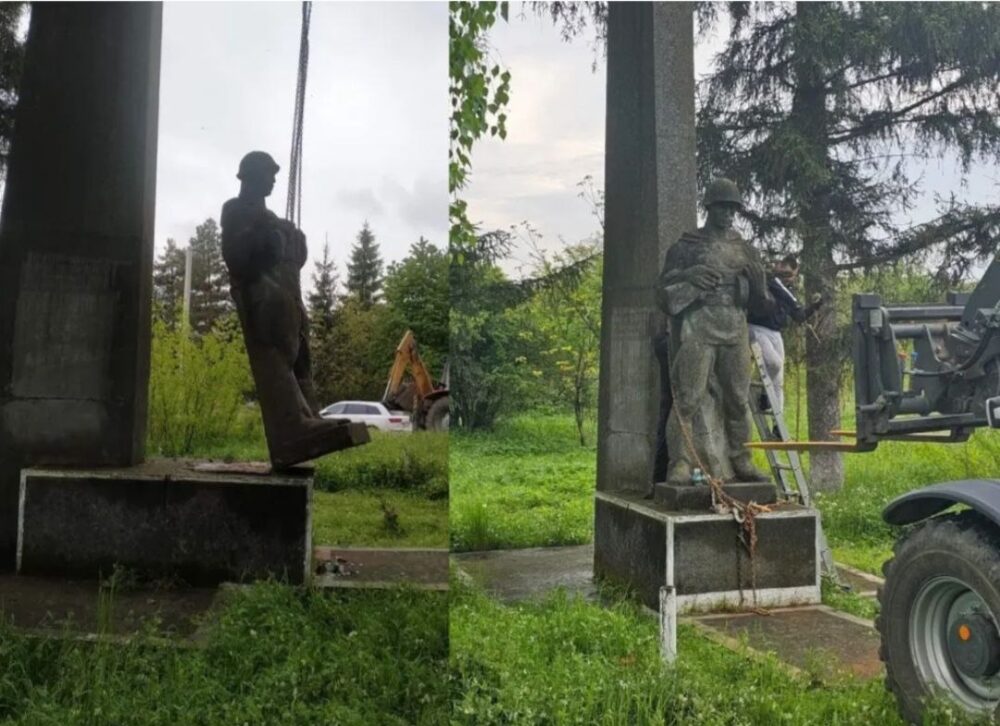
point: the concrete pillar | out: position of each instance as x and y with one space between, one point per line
650 197
76 245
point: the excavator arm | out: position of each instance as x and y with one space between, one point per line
407 358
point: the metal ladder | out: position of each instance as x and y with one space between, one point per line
788 474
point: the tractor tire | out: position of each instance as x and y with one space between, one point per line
438 415
939 618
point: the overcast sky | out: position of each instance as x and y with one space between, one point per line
556 138
375 131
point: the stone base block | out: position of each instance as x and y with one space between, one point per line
643 545
679 497
165 519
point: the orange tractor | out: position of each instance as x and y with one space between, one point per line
424 398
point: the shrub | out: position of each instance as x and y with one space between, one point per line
197 389
417 461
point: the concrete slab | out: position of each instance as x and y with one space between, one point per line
818 639
373 568
527 574
59 606
164 519
861 583
685 497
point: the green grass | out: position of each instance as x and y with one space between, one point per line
356 518
565 661
278 655
409 472
529 483
416 461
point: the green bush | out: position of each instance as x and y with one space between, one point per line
417 461
197 390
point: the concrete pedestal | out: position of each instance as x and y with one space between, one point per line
164 518
681 497
643 545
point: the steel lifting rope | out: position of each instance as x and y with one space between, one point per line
293 209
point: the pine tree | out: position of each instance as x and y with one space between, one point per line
364 270
210 299
168 284
818 111
322 318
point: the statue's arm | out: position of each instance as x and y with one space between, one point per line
247 240
675 290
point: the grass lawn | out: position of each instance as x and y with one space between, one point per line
278 655
357 518
565 661
529 483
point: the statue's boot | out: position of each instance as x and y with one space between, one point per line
680 472
744 470
294 432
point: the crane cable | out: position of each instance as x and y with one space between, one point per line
293 209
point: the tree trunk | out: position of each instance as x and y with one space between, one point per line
810 193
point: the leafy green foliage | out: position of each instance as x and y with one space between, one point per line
416 292
361 349
197 389
278 655
480 91
563 319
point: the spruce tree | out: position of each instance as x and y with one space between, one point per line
322 302
364 270
210 299
821 113
168 284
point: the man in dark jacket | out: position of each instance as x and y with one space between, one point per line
765 329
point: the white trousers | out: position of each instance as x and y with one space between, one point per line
773 348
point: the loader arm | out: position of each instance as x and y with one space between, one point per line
407 358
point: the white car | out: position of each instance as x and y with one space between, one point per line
370 413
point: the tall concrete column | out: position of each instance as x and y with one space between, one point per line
650 197
76 245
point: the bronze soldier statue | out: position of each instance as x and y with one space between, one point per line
710 278
264 255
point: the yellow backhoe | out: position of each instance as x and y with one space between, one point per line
424 398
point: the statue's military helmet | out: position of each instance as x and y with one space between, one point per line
723 191
257 163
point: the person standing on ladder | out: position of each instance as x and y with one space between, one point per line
766 327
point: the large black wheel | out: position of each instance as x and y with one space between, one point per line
940 610
438 415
